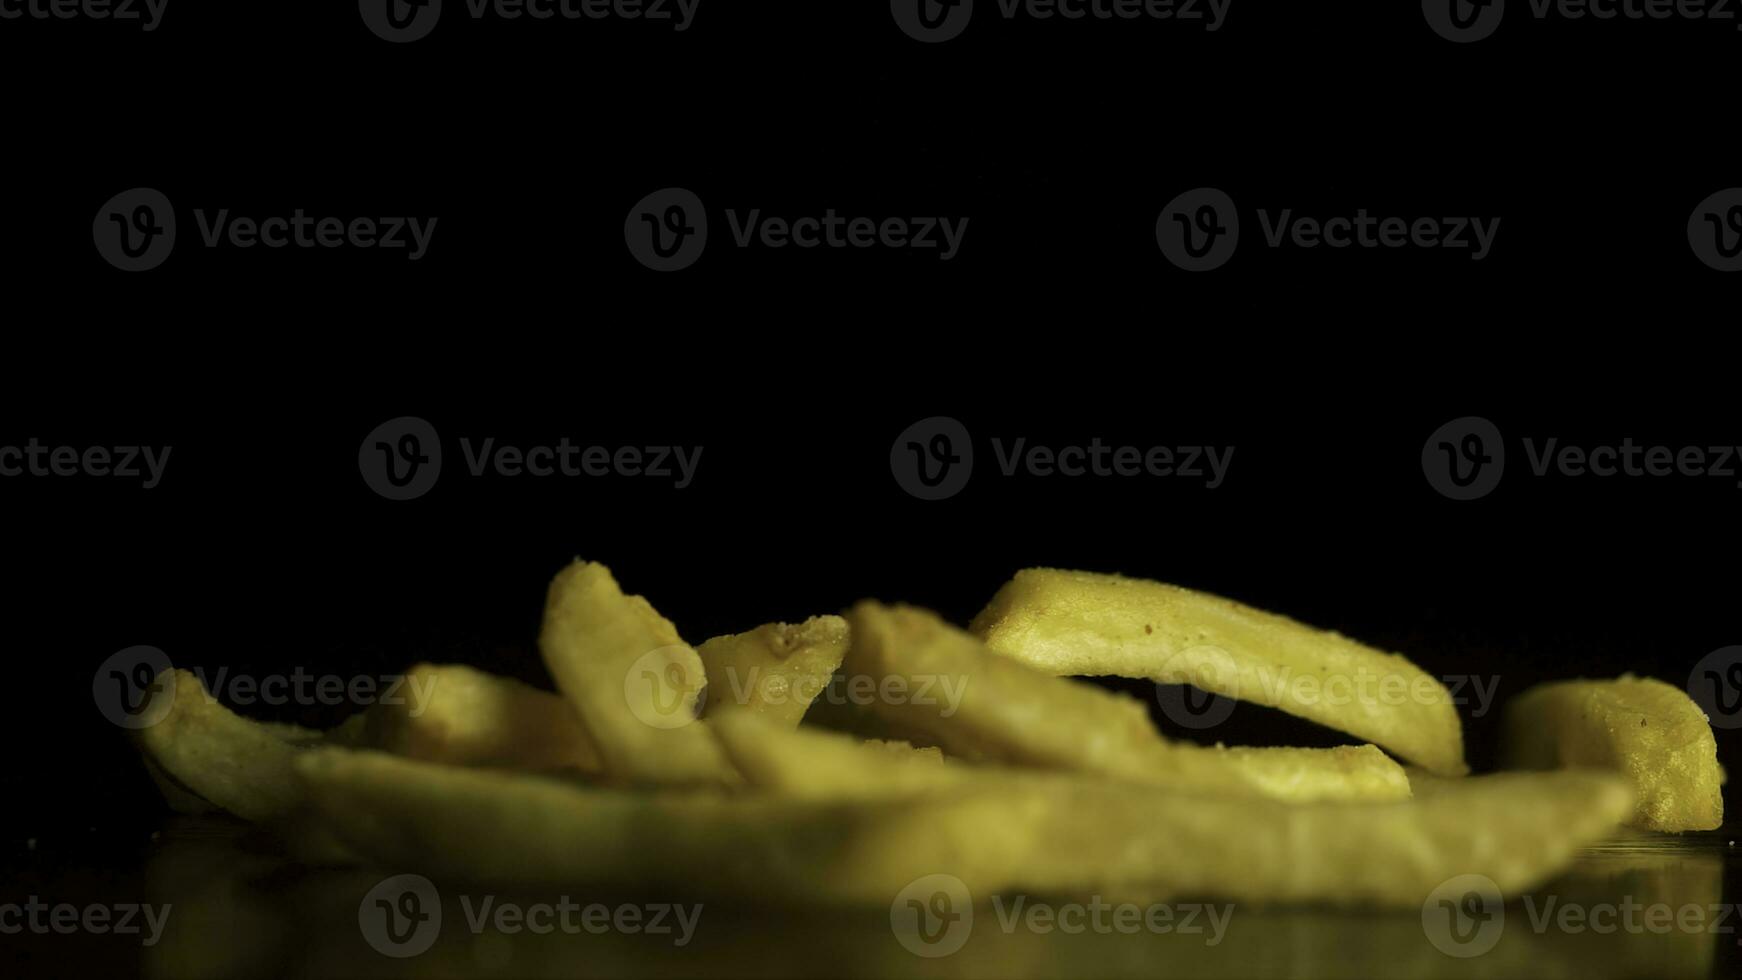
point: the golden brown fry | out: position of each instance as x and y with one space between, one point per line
1084 623
775 670
458 715
811 764
632 680
1649 731
206 751
937 680
518 829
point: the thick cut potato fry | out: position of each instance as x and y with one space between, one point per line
1652 733
207 752
517 829
988 708
1085 623
775 670
632 680
466 717
814 764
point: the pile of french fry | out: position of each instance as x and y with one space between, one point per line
658 765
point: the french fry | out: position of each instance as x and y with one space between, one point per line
813 764
466 717
209 753
1649 731
632 680
1084 623
774 670
944 683
516 829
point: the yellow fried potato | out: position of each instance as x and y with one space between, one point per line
1347 772
939 681
517 829
814 764
775 670
466 717
1649 731
632 680
202 750
1085 623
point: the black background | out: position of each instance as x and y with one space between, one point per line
264 551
